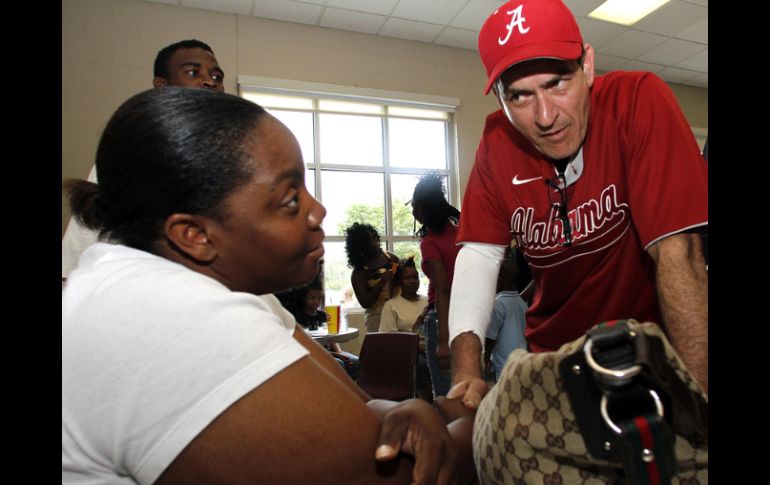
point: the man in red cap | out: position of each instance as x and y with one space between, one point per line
600 182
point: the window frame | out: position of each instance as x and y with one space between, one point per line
356 94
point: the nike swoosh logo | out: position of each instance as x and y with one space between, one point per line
516 180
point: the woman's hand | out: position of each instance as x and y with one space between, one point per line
418 429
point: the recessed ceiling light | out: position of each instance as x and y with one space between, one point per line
625 12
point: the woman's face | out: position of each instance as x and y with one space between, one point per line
271 237
410 281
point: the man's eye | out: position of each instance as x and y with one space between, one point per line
218 77
192 72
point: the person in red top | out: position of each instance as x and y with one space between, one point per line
600 182
438 231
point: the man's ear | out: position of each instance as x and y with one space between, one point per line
159 82
189 234
588 64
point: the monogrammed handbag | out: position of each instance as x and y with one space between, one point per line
551 420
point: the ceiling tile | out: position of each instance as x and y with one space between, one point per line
431 11
631 44
169 2
608 63
382 7
672 18
465 39
287 10
697 62
408 29
475 13
705 3
634 65
367 23
598 32
700 81
675 75
671 51
581 8
317 2
697 32
239 7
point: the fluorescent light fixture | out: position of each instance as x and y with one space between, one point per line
625 12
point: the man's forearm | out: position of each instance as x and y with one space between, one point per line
466 357
682 283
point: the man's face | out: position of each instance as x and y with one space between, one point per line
548 100
193 68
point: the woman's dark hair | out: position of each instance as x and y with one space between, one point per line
436 212
165 151
358 245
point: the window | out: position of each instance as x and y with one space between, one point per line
364 151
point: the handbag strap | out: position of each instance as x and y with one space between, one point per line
631 405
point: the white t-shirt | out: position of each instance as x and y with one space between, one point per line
399 314
153 352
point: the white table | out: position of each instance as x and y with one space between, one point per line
323 337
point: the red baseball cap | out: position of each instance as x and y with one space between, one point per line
521 30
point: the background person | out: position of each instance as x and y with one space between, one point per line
373 270
506 327
438 230
188 63
404 313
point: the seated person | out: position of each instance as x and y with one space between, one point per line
405 313
509 318
311 318
178 365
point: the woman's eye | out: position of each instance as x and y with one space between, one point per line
293 202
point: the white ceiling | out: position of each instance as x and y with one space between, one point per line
672 41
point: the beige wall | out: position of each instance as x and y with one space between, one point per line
108 47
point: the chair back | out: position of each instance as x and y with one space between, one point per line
388 364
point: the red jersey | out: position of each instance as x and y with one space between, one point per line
639 177
442 247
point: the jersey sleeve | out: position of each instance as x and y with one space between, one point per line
667 175
483 218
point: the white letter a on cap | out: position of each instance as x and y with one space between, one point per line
517 20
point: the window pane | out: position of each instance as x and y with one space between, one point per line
412 248
401 190
417 143
310 181
336 273
417 113
301 126
279 101
352 197
348 107
350 139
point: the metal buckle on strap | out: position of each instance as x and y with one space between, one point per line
620 375
615 427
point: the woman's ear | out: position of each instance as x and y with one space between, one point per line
189 233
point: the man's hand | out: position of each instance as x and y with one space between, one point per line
418 429
466 370
471 389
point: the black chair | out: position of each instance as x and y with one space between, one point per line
388 364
